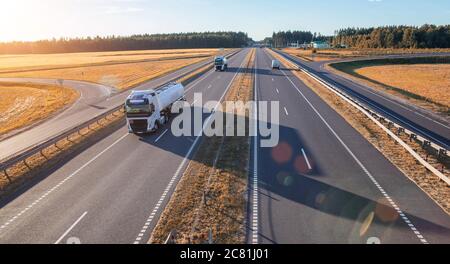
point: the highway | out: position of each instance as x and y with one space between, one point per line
94 100
324 183
413 118
116 190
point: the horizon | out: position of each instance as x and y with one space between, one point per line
104 18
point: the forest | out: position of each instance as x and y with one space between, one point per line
426 36
135 42
409 37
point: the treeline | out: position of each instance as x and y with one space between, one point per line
284 38
426 36
135 42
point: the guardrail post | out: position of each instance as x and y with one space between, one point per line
426 145
400 131
210 237
26 164
5 171
42 154
413 137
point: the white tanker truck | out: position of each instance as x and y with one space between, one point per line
147 110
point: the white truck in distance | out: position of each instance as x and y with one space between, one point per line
220 63
147 110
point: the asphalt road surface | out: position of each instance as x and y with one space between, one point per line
324 183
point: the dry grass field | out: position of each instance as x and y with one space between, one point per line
22 103
29 62
431 81
333 54
121 70
423 81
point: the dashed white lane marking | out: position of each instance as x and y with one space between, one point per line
285 110
71 227
273 80
60 184
255 213
198 81
306 159
162 135
209 87
278 91
374 181
181 166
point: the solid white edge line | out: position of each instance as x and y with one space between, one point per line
71 227
162 135
255 221
306 159
157 208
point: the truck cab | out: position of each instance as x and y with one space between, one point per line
147 110
140 111
220 63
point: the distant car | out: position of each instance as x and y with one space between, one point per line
276 64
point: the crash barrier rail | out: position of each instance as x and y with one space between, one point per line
377 118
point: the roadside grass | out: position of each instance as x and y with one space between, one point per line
33 62
23 103
423 81
211 195
438 190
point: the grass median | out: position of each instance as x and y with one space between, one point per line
211 195
395 153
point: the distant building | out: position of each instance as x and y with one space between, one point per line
294 45
320 45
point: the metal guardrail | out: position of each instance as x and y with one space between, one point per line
440 152
40 146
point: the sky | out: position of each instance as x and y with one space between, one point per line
44 19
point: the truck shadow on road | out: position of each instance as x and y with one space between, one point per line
286 173
284 176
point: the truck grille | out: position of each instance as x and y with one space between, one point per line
139 125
